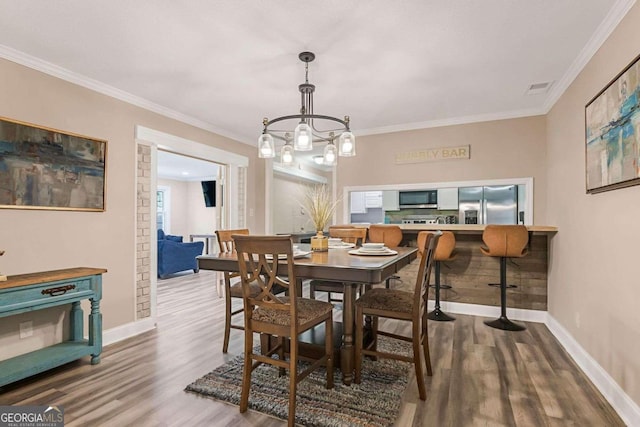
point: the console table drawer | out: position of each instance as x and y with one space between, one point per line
36 297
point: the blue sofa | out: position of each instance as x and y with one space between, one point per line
175 256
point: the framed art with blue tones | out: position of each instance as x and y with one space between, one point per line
612 127
43 168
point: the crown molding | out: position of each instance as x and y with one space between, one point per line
452 121
38 64
604 30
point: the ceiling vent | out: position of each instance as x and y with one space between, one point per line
538 88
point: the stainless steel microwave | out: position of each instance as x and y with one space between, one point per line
419 199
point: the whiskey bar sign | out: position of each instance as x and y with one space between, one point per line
434 154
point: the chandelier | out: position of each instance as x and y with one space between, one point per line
311 128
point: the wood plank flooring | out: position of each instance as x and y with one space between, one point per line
482 376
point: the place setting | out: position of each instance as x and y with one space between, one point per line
373 249
297 253
337 243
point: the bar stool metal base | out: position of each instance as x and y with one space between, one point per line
505 324
439 316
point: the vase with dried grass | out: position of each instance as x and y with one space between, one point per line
317 203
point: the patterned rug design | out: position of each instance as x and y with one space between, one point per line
373 402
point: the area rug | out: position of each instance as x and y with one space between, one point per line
374 402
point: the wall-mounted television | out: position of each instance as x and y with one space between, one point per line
209 193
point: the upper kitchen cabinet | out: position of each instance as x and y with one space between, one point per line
373 199
390 200
358 202
448 199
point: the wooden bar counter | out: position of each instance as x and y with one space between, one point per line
471 271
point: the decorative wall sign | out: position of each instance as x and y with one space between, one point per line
612 129
42 168
434 154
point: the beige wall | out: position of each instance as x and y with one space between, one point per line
513 148
47 240
594 285
178 214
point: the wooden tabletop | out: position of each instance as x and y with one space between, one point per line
49 276
334 264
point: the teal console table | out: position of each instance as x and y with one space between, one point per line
36 291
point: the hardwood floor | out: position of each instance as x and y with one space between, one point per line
482 376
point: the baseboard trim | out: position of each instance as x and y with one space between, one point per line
524 315
128 330
626 408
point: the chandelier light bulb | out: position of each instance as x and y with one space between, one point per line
302 138
347 144
330 154
265 146
286 154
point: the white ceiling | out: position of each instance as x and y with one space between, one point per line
183 168
388 64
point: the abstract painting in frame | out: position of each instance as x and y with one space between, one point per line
42 168
612 127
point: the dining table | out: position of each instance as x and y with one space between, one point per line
336 264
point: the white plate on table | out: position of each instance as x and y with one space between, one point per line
342 245
380 249
385 252
300 254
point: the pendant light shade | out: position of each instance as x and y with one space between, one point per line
347 143
330 154
286 154
302 138
266 149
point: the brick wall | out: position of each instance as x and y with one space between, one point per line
143 233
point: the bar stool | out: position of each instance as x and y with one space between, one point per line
444 252
505 241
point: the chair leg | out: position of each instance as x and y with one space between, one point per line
358 344
293 380
417 360
246 371
329 350
426 352
227 317
438 314
503 322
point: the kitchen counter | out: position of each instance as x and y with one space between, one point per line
470 228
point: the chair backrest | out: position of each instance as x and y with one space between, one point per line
225 242
446 245
506 240
349 235
428 251
390 235
258 259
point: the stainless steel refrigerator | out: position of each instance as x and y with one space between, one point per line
496 204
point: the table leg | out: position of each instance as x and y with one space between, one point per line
347 351
95 331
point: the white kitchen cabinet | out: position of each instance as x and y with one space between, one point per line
373 199
390 200
448 199
358 202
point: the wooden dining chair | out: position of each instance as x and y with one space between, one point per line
403 306
284 317
226 245
390 235
349 234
